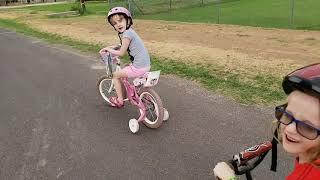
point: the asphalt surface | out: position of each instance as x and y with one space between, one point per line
55 126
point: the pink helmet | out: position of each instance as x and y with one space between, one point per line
120 10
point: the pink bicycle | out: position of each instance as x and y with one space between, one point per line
139 93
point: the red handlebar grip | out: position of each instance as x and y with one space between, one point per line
253 152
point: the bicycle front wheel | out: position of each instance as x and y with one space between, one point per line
154 107
106 88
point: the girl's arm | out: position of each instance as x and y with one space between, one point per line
123 49
116 47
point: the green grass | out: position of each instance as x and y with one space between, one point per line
230 84
91 7
264 13
51 8
156 6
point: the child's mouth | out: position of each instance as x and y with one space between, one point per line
289 139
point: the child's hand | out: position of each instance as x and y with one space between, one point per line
104 51
223 171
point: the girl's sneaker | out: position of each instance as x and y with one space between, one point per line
115 102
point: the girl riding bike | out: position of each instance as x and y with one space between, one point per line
121 20
299 125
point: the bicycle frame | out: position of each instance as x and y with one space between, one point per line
131 90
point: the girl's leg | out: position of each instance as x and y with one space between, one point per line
117 83
128 71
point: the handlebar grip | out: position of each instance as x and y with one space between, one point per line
252 152
248 159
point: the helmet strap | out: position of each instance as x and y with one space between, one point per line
274 156
128 25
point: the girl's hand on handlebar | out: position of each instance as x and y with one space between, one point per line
107 49
103 51
223 171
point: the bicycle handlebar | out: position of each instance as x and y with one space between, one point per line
248 159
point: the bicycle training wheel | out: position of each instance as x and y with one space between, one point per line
154 107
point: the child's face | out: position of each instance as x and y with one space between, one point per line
307 109
119 23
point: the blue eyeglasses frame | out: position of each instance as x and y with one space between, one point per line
282 109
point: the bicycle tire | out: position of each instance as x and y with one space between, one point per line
154 106
103 87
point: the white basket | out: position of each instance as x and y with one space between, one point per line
139 81
152 79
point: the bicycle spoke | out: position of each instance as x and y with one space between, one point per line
150 108
151 113
111 88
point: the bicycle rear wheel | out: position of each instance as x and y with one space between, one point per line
154 107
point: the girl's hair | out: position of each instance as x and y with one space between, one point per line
315 152
314 155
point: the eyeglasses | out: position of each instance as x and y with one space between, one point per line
303 129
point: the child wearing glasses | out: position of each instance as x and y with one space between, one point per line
299 125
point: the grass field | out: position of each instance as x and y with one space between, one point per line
264 13
261 13
156 6
92 7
